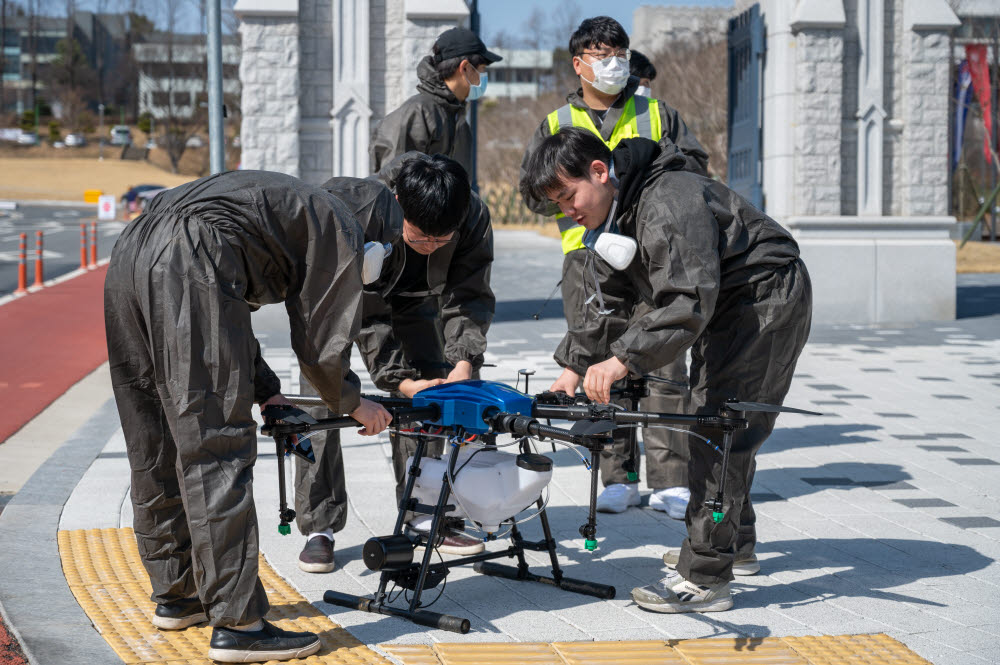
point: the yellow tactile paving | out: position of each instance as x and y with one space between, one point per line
730 651
614 653
103 570
861 649
105 574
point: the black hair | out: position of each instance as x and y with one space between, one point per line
596 31
567 154
434 193
640 66
445 68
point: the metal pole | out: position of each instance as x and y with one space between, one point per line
474 110
216 139
996 130
100 132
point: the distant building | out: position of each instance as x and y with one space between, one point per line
521 73
101 38
656 27
173 73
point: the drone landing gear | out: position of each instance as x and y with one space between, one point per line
393 556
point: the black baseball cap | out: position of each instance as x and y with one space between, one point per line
459 42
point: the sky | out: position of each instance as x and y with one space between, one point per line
510 16
557 19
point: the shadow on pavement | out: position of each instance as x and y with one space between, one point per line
864 569
525 310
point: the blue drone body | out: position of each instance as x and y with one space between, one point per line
467 404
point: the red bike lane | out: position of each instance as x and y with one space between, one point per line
49 340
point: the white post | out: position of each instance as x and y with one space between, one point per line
871 113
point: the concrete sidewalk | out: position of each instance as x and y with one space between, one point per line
882 516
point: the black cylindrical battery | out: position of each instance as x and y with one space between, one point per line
388 552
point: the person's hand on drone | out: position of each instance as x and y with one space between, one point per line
566 383
597 382
411 387
372 416
461 372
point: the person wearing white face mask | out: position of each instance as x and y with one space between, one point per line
716 276
433 121
424 321
608 105
641 68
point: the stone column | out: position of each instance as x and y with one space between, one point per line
926 87
818 26
871 106
350 112
269 71
317 41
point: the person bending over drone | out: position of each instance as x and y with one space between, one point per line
186 370
718 276
425 327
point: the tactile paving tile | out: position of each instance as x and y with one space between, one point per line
854 649
739 650
499 653
649 652
105 574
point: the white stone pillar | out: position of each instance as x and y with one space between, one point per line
871 105
818 26
269 72
351 109
926 87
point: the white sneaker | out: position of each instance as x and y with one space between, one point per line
674 594
742 564
672 500
617 497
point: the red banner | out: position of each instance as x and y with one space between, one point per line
980 70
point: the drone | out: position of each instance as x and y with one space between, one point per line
477 480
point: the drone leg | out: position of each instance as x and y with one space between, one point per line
439 511
284 514
550 543
718 504
589 530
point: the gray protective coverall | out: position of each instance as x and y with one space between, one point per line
405 335
431 121
722 278
666 450
182 281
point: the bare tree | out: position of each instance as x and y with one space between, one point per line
179 123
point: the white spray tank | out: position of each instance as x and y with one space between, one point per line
492 486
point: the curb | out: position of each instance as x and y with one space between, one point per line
52 282
35 600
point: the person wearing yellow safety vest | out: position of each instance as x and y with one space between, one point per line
607 105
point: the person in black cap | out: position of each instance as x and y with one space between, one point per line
433 120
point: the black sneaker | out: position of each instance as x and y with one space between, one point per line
179 615
317 555
259 646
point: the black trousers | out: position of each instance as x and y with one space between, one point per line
181 353
749 352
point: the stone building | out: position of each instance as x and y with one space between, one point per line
317 75
854 152
655 27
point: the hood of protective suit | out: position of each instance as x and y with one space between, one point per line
637 163
377 211
432 83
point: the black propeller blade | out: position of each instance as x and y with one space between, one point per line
591 427
767 408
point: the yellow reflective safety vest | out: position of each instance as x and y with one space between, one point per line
640 118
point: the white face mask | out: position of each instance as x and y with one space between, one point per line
643 91
610 75
617 250
375 255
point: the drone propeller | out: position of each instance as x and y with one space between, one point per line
591 427
767 408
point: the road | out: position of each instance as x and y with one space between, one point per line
61 236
